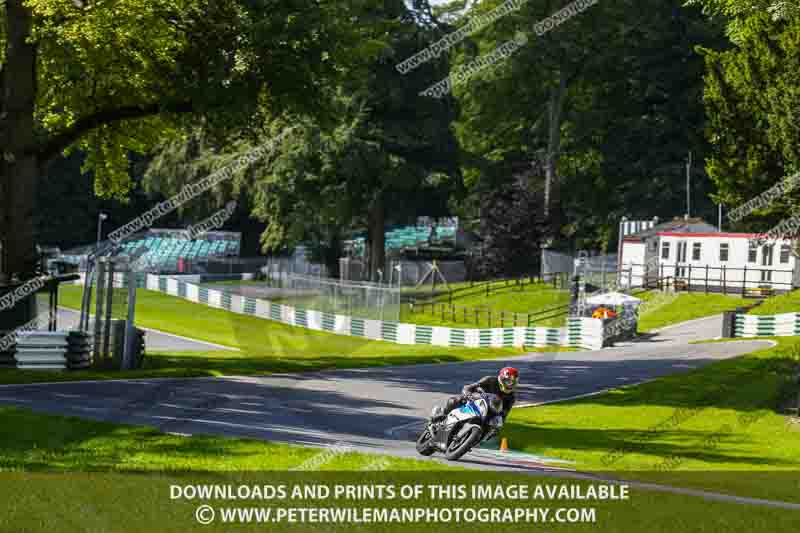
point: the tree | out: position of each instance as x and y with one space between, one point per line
392 156
600 112
739 13
388 155
512 226
752 98
110 77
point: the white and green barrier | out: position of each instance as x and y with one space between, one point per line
584 333
783 325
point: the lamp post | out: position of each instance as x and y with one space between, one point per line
87 292
619 246
100 218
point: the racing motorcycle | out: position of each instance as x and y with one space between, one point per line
476 421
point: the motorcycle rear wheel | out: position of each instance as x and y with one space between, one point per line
465 445
425 442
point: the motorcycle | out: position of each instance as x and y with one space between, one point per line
476 421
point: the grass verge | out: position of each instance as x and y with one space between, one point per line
32 442
501 297
67 474
667 310
776 305
724 417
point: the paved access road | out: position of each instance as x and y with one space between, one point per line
156 341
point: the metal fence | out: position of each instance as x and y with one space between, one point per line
708 278
488 317
599 270
440 304
405 272
107 313
359 299
412 273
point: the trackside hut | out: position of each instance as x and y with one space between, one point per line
695 255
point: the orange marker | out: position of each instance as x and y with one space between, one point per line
504 445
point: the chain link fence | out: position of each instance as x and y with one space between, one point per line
354 298
404 272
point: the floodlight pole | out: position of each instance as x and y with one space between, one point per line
128 362
689 185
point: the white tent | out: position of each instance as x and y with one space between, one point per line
613 298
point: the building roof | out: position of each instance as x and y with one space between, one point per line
724 235
676 225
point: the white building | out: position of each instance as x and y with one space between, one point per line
692 253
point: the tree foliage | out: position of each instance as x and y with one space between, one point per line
512 226
110 77
604 107
388 154
752 99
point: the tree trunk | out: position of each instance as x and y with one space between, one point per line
18 164
377 239
555 108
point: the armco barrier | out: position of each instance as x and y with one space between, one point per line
584 333
783 325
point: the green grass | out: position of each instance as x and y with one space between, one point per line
501 297
665 310
729 418
775 305
265 346
68 474
37 442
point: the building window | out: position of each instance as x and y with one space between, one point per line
665 250
724 249
785 251
752 252
696 251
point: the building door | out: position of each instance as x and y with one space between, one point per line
646 275
766 261
680 271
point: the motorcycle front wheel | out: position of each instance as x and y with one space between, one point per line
458 448
425 444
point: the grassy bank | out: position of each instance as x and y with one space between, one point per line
724 417
775 305
665 309
499 297
37 442
67 474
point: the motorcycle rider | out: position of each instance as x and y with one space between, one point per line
503 385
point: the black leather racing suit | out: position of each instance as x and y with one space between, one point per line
488 384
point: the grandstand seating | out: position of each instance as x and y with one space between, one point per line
404 237
165 251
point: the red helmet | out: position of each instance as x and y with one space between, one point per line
508 378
